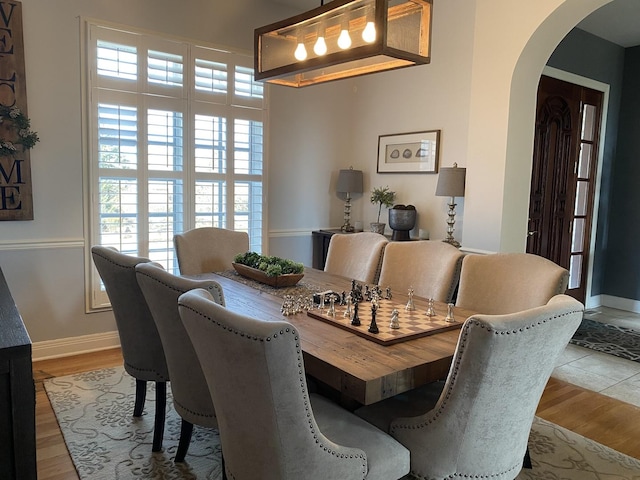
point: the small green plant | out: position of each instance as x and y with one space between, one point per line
272 266
382 196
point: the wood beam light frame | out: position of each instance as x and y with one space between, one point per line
345 38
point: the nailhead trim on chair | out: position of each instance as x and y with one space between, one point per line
307 402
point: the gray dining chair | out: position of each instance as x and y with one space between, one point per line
508 282
271 428
476 424
356 256
140 342
208 249
191 397
431 268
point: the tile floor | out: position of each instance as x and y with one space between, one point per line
600 372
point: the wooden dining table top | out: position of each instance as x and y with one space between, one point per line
362 371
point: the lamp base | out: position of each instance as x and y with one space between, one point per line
347 227
452 241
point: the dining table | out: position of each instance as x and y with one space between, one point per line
359 370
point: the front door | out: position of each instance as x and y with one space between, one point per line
563 177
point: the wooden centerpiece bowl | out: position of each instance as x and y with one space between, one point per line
287 272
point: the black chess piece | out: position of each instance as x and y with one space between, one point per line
343 298
355 321
373 326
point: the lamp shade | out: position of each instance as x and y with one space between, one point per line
451 181
344 38
349 181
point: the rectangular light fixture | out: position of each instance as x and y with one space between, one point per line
344 38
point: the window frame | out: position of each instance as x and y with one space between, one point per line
98 89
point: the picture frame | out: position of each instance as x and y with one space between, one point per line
414 152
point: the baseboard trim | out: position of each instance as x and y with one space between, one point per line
64 347
620 303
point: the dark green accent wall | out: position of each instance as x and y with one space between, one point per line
589 56
622 269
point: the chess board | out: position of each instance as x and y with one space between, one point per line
413 324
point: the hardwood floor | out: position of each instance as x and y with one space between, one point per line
604 419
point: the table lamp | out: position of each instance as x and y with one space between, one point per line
349 181
451 184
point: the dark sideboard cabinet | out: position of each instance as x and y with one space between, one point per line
321 239
17 393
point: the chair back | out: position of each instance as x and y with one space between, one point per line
430 267
356 256
139 339
208 249
481 422
161 289
508 282
256 376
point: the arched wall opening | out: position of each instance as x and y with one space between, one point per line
500 150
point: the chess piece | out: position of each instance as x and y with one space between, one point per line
321 306
388 294
355 321
410 305
395 323
347 311
449 318
430 310
373 326
343 298
332 307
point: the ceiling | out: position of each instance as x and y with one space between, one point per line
617 21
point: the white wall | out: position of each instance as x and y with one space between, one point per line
479 90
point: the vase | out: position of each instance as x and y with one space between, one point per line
402 219
378 227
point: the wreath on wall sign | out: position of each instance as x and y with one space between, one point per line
15 131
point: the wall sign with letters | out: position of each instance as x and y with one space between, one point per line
16 201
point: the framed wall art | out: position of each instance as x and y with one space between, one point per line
416 152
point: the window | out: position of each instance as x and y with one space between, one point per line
175 141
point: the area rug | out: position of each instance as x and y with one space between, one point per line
619 341
106 442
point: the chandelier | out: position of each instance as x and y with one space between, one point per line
344 38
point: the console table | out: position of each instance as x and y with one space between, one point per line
17 393
321 239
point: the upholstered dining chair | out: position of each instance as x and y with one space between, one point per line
208 249
477 424
356 256
191 397
430 267
508 282
271 428
140 342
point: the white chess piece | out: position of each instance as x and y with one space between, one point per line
395 324
410 306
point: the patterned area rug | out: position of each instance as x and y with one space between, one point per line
106 442
619 341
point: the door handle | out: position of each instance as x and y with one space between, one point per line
531 233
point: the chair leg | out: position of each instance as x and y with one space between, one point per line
141 394
158 429
186 429
526 463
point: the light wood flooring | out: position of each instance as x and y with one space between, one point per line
607 420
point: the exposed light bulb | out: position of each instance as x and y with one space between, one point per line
320 48
369 33
301 52
344 40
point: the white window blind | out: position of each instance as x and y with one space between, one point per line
176 133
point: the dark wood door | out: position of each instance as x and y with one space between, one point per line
563 177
